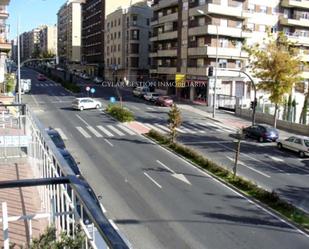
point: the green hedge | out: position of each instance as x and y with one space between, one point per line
271 199
120 113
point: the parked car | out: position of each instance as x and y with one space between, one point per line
86 103
84 76
70 160
41 77
55 137
262 132
140 91
299 144
164 101
151 96
97 80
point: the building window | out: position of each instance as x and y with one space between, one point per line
238 63
119 35
119 47
148 21
263 9
222 63
251 8
135 34
119 22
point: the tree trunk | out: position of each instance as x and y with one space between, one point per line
289 114
275 115
304 113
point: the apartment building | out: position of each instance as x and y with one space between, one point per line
5 45
93 23
184 41
127 43
30 44
69 23
48 39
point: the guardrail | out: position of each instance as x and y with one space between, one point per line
70 202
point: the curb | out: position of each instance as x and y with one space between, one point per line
258 203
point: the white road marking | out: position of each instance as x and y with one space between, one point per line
180 130
187 130
34 99
150 108
127 130
106 132
58 99
83 132
162 127
64 137
151 179
108 142
196 127
276 159
154 128
134 107
102 207
94 131
115 130
113 224
234 191
209 142
82 120
180 177
253 169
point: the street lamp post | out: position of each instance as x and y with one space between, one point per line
216 66
18 63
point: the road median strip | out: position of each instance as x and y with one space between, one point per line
267 199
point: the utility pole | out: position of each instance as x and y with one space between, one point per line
18 63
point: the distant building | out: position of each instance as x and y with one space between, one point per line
69 32
48 40
5 45
93 22
14 50
127 43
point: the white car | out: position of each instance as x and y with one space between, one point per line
299 144
86 103
151 96
140 91
97 80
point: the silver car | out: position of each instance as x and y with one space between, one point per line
299 144
86 103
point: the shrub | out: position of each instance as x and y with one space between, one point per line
120 113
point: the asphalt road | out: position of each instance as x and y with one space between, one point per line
155 198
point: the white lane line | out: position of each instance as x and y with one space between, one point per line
106 132
64 137
58 99
108 142
94 131
83 132
35 100
253 169
193 128
115 130
154 128
113 224
187 130
162 127
134 107
151 179
276 159
82 120
180 130
150 108
163 165
127 130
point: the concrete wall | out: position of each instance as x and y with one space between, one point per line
268 119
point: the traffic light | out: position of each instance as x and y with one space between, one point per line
211 71
253 104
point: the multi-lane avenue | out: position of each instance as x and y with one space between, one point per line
158 200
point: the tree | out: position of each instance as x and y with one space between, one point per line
10 83
48 240
174 119
277 64
304 113
289 113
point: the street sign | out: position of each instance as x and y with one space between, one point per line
92 90
112 100
180 80
87 88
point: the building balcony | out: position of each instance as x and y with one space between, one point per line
218 9
4 14
153 54
167 70
198 71
167 53
299 40
302 4
228 31
165 36
5 45
229 53
164 4
168 18
294 22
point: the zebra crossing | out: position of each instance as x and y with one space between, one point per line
47 84
100 131
192 128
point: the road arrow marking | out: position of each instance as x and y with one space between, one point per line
180 177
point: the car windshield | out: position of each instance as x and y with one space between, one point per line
57 140
306 142
72 164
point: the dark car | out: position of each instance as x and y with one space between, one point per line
262 132
41 77
70 160
56 138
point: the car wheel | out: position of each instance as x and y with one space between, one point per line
301 154
280 146
97 106
261 139
81 108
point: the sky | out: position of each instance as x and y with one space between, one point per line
33 13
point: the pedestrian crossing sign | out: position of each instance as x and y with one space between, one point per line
180 80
